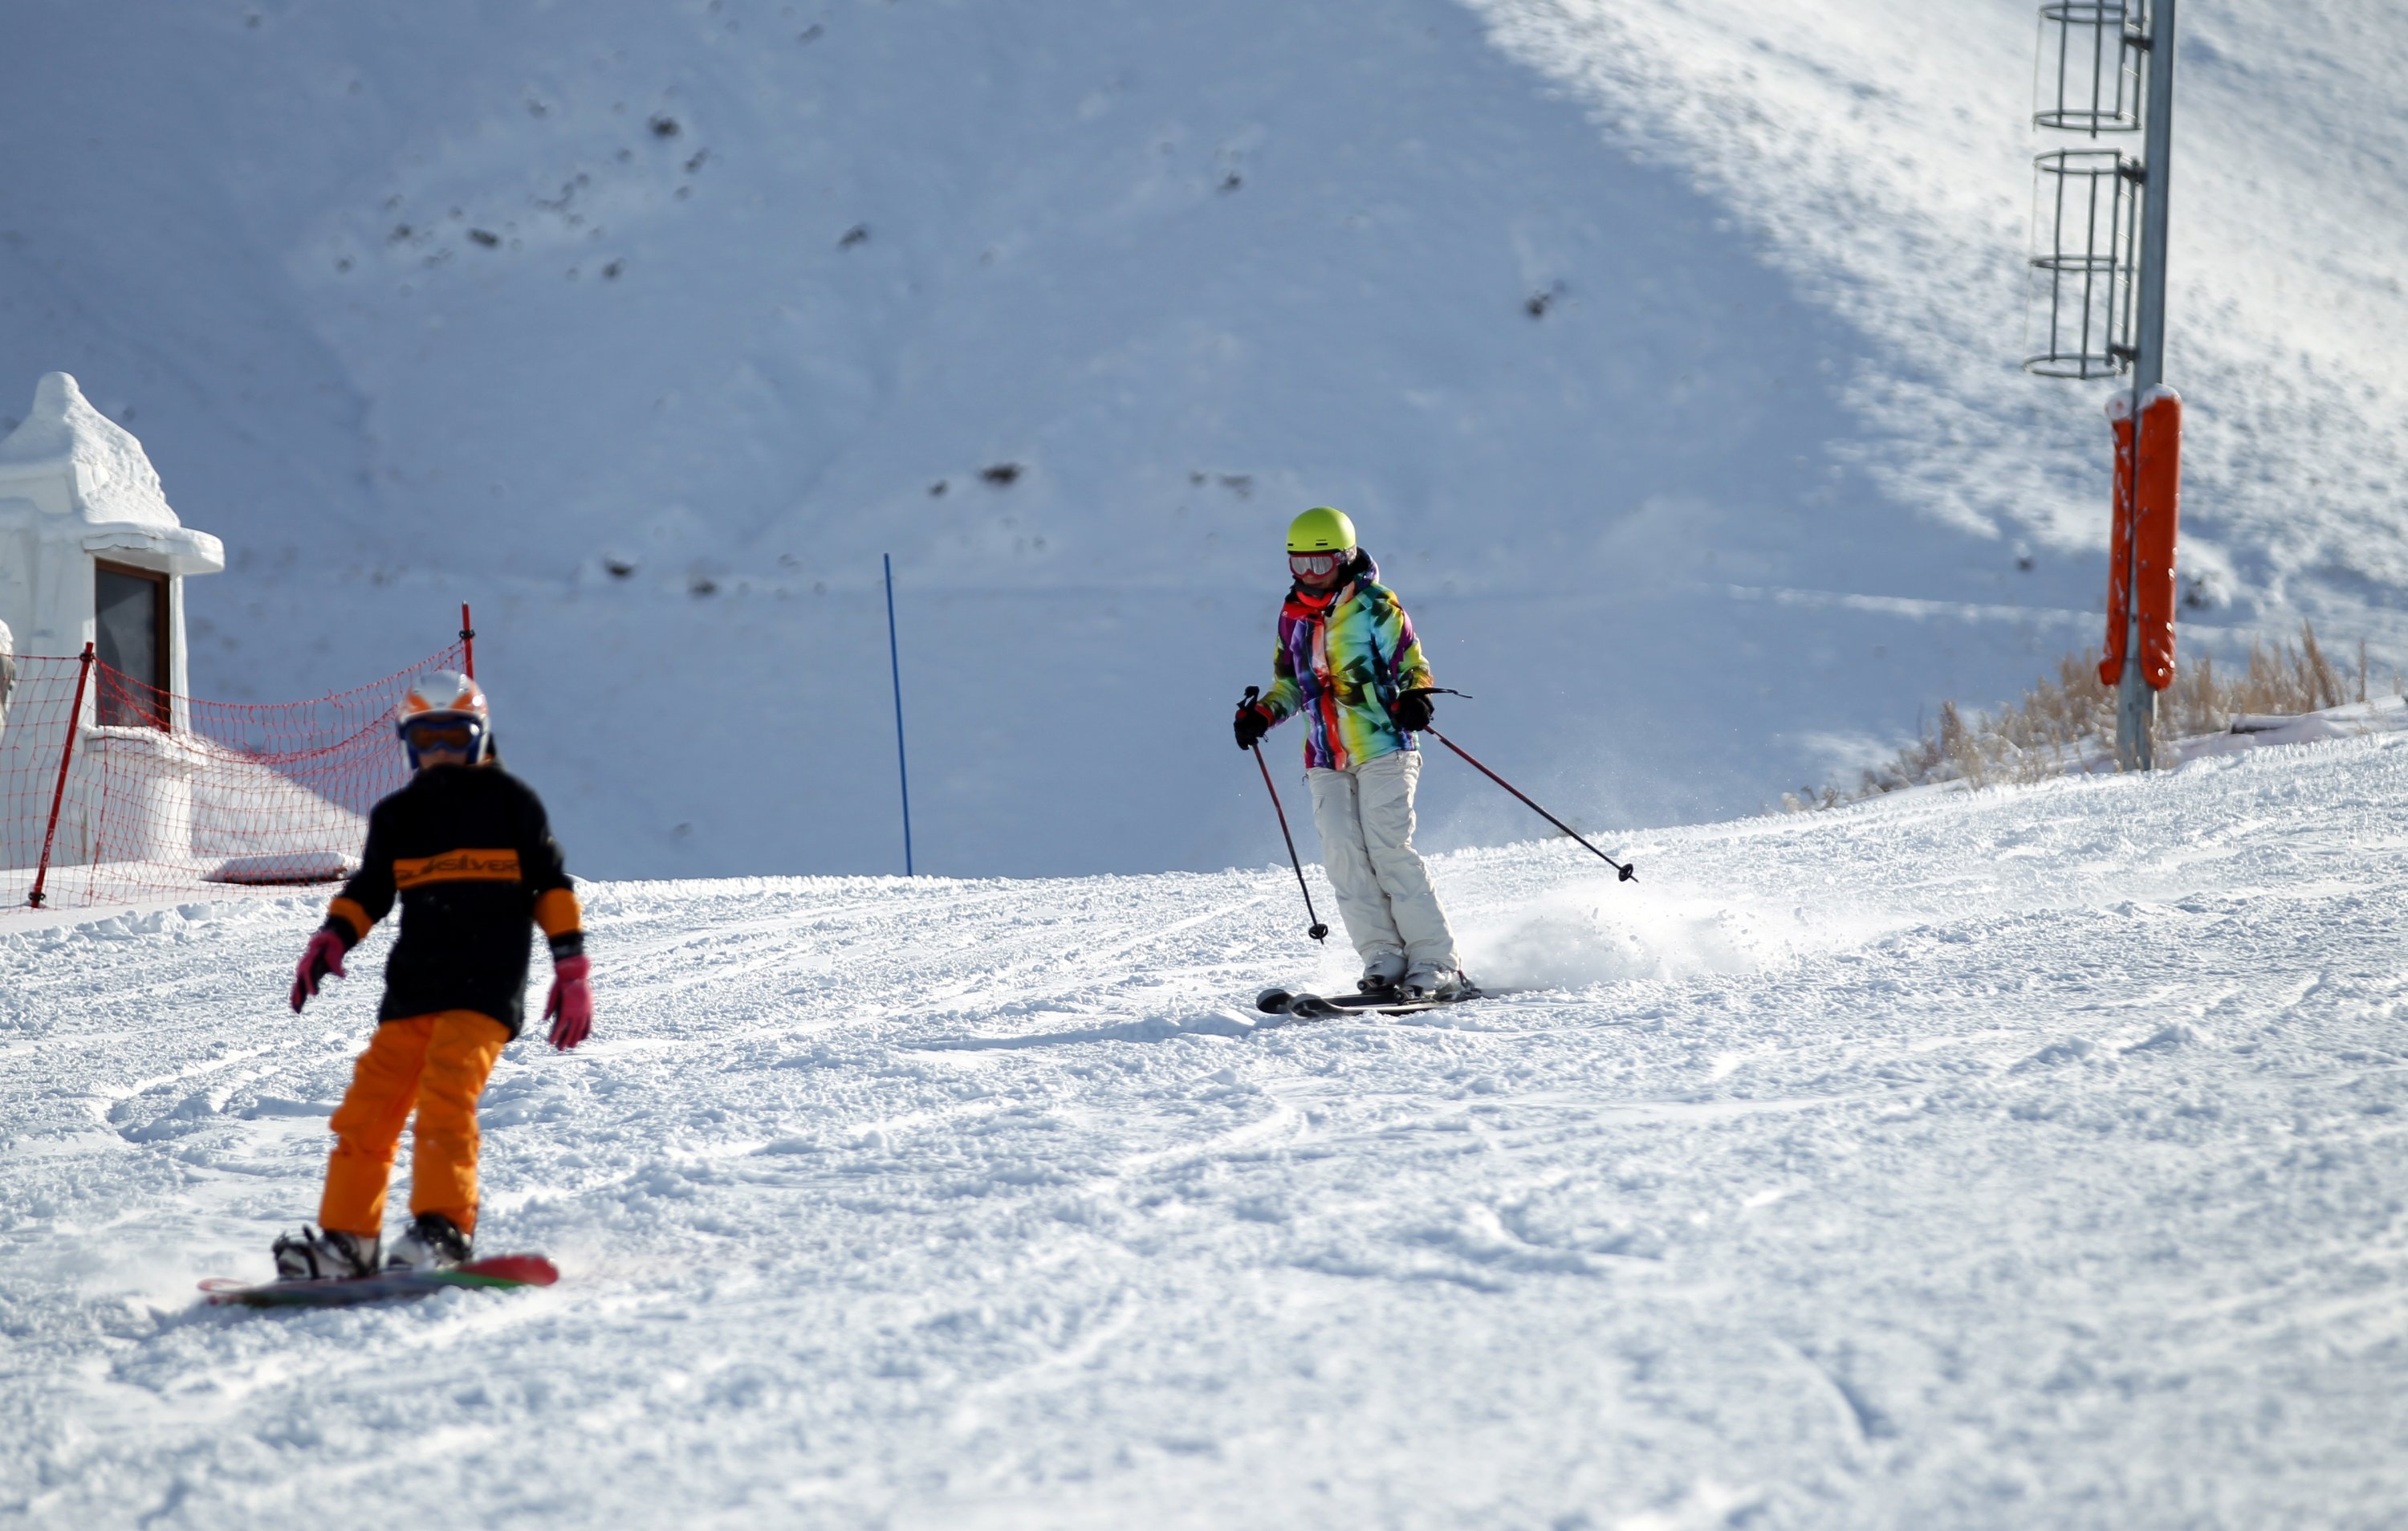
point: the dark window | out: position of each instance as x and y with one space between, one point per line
131 605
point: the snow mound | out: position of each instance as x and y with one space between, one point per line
112 477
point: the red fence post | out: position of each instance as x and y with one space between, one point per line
58 793
467 643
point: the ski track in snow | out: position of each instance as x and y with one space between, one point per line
2027 1158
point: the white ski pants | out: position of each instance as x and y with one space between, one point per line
1365 815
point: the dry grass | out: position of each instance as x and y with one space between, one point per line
2068 722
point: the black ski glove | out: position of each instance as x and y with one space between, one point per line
1414 711
1252 723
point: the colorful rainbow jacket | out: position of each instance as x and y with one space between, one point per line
1343 661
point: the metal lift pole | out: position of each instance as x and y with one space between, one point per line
2136 705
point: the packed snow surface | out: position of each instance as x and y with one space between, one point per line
2032 1157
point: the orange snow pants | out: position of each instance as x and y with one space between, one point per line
436 1064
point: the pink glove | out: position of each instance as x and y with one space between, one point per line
324 956
570 1008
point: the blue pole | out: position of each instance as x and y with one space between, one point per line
895 662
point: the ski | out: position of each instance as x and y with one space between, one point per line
1307 1006
501 1272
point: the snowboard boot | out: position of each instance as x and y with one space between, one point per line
322 1254
1445 987
432 1242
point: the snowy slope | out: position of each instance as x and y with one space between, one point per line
1882 149
1759 472
2027 1158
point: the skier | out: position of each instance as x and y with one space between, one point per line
465 847
1349 661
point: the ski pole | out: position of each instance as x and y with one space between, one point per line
1318 930
1628 871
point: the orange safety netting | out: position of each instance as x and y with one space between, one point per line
164 794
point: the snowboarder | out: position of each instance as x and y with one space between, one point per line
466 849
1347 660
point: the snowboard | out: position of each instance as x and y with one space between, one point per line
1280 1001
501 1272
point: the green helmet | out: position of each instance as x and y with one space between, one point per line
1321 529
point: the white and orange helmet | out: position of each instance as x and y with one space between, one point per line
444 702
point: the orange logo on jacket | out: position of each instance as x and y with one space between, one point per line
456 866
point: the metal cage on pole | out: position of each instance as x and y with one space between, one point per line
2088 75
2080 314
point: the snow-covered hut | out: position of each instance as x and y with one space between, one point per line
90 551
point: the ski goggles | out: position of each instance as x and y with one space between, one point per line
1317 566
456 735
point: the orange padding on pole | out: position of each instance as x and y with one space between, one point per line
2119 545
2156 517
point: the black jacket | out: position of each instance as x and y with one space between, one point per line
469 852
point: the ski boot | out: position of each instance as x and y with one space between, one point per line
324 1255
1441 988
1380 975
432 1242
